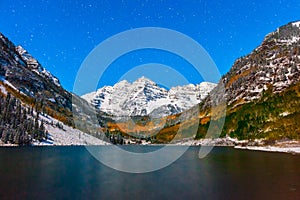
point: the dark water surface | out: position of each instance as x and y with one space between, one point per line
72 173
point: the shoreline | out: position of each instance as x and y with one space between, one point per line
287 146
273 149
280 146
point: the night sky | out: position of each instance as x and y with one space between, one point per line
60 34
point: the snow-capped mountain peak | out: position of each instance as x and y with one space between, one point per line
144 80
297 23
122 83
145 97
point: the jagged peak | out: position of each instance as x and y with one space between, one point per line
204 83
122 83
143 79
143 96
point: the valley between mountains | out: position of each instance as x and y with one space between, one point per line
261 92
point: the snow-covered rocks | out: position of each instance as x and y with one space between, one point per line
35 66
145 97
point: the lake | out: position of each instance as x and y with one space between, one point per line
72 173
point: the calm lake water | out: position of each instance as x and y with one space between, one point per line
72 173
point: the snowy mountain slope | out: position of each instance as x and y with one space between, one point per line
27 76
273 64
145 97
26 86
66 136
262 89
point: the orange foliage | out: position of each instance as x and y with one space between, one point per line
204 120
236 77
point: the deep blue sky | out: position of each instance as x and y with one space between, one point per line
60 34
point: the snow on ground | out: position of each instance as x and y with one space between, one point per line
294 150
66 136
296 24
3 89
284 114
210 142
9 84
89 97
285 147
7 145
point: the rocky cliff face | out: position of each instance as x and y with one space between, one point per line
274 64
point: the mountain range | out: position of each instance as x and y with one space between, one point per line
144 97
262 91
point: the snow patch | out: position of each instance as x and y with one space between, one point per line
296 24
284 114
271 149
10 85
66 136
3 89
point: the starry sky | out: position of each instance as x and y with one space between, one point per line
60 34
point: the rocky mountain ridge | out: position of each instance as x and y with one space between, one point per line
26 75
144 97
275 63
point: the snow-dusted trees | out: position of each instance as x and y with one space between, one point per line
19 125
